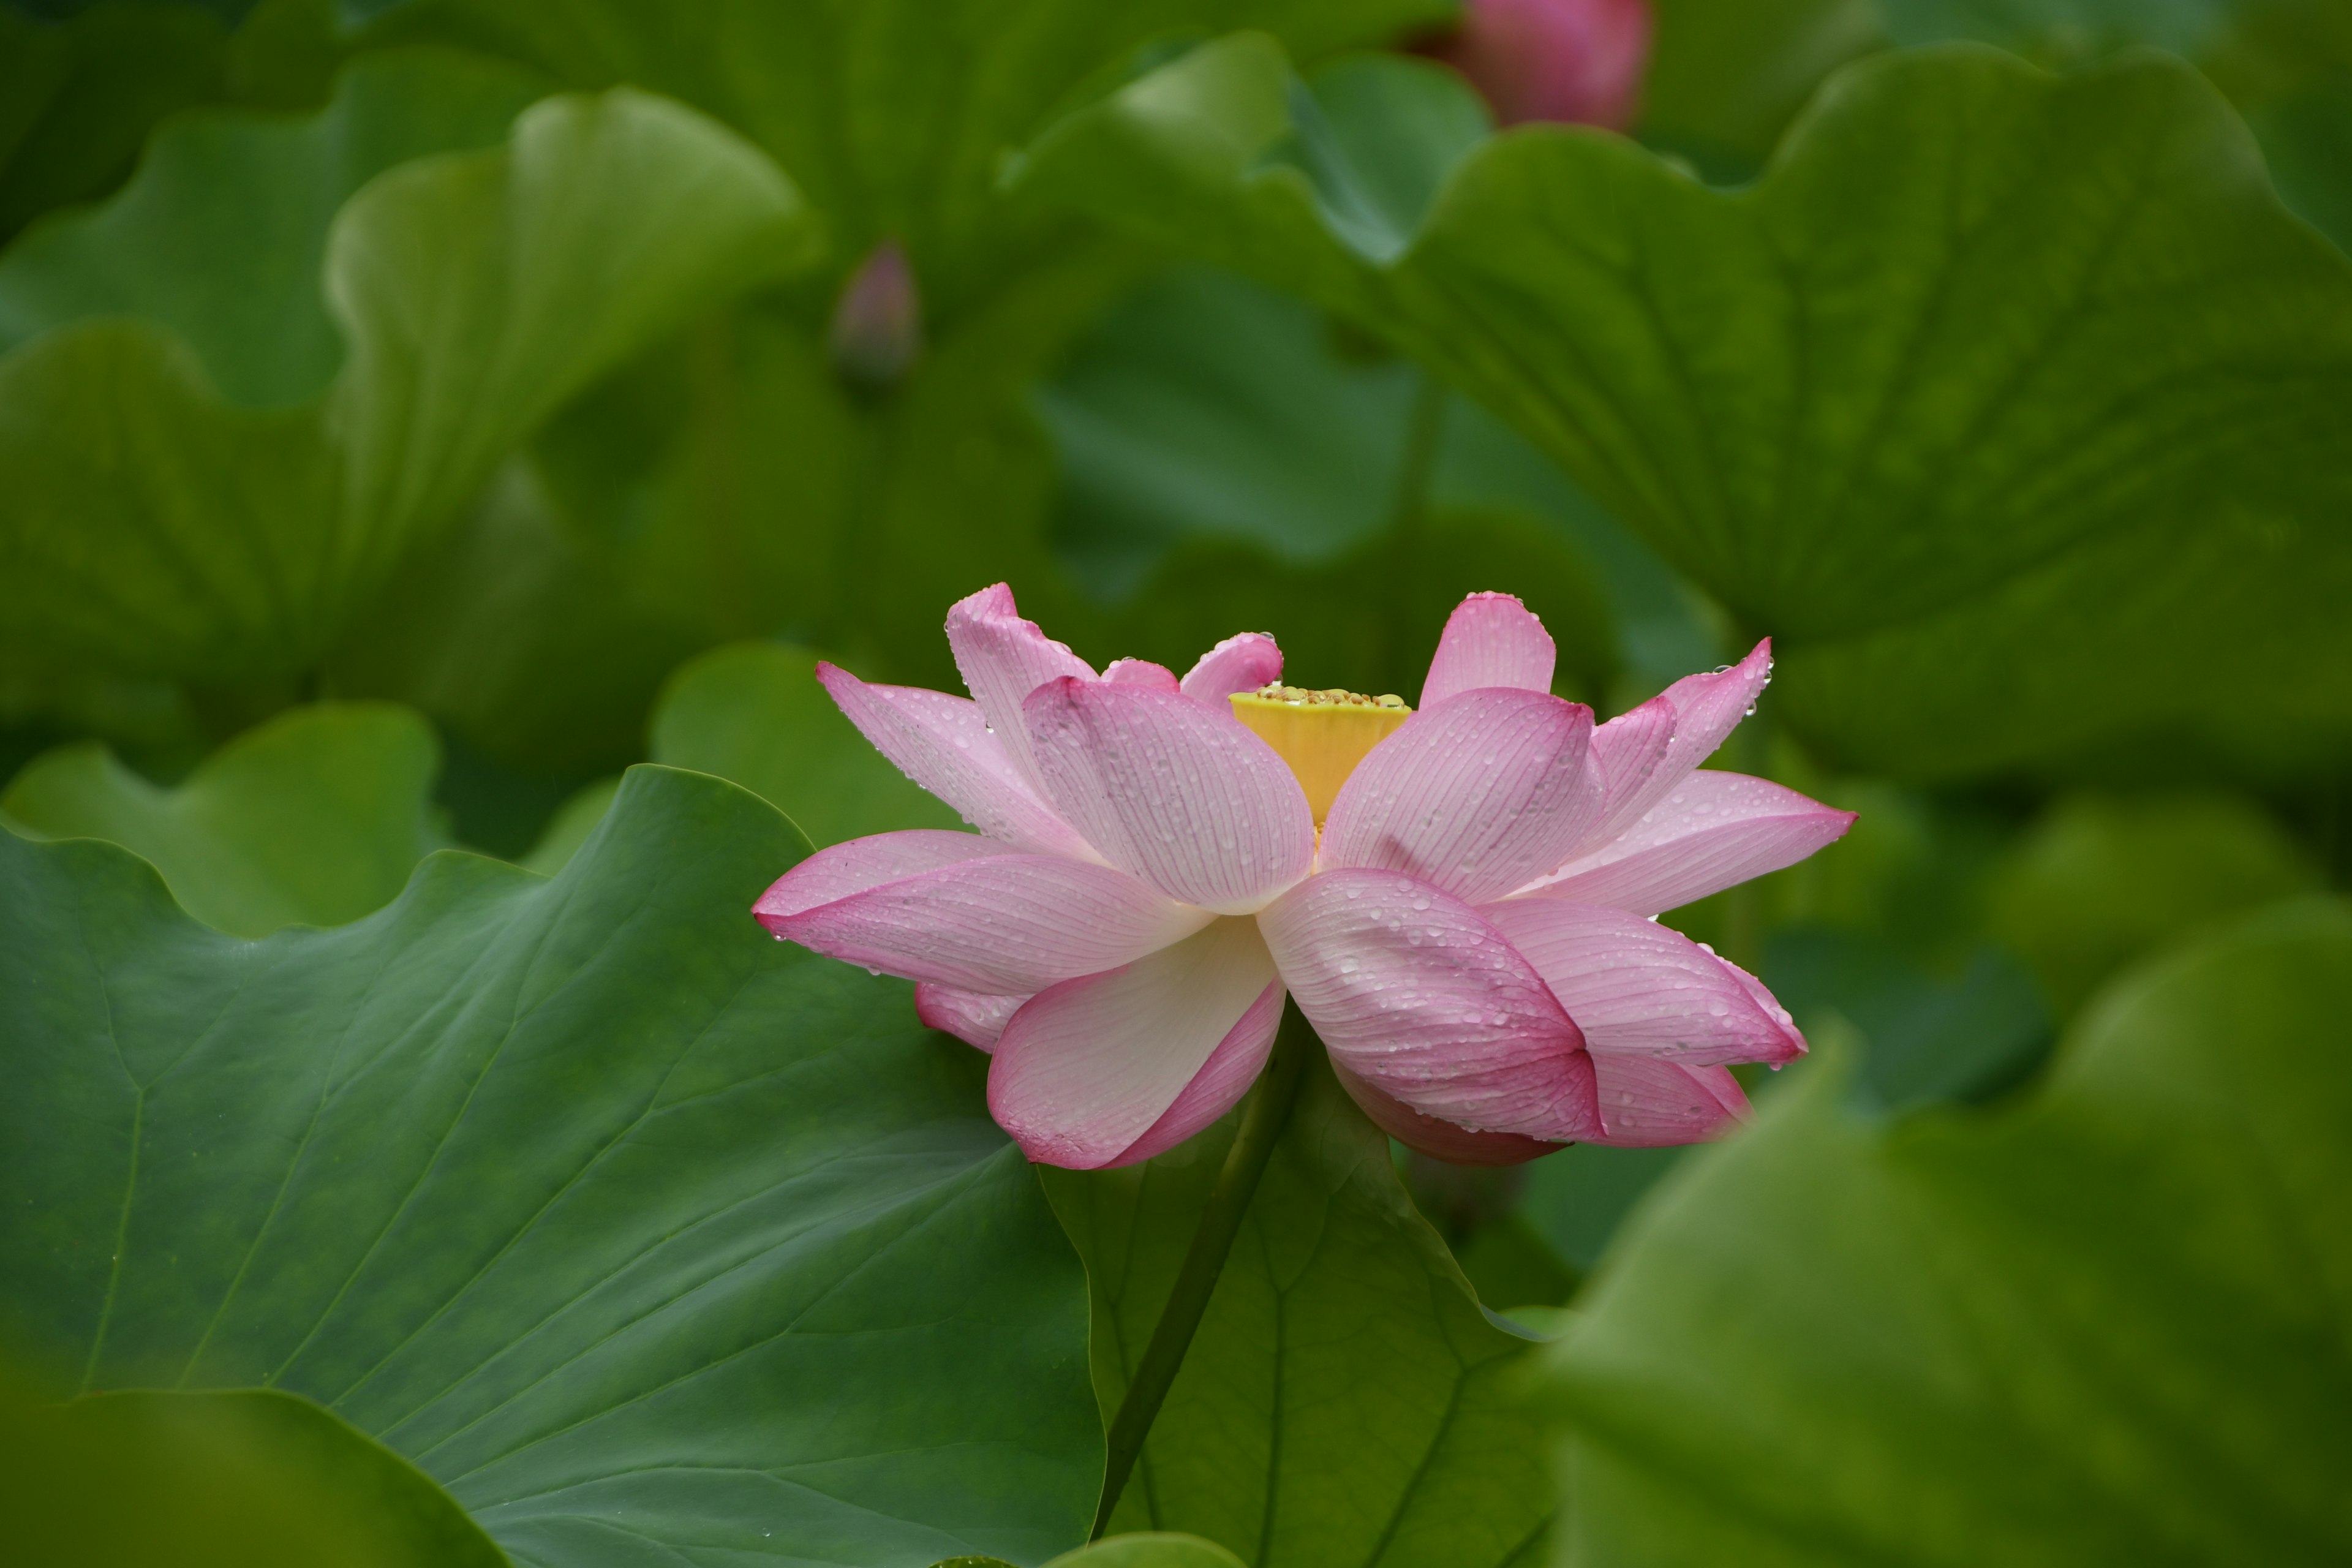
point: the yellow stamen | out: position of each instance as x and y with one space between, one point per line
1321 734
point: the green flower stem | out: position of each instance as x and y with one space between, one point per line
1221 1220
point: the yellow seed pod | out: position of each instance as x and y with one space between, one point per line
1321 734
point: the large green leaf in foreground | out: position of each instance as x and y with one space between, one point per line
2015 406
316 817
649 1238
1153 1549
2105 1325
234 400
243 1479
1347 1402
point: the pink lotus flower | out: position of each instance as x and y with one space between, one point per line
1575 60
1469 932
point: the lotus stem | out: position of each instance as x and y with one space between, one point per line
1263 1120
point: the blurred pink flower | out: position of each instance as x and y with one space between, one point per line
1577 61
1469 930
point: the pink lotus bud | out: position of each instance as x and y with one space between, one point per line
1457 898
878 324
1575 60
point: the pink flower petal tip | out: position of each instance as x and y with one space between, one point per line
1579 61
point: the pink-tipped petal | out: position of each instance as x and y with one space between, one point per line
1140 672
971 1017
1003 659
944 744
1242 663
1627 753
1635 987
1646 1103
1218 1087
841 870
1715 832
1440 1139
1417 994
1491 640
1173 791
1478 795
1707 707
1006 924
1768 1004
1087 1071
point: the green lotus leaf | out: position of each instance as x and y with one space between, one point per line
644 1235
248 1477
732 483
891 116
77 96
221 236
1371 620
1154 1549
2307 139
753 714
728 485
518 633
571 825
238 396
316 817
2061 29
2104 1324
1347 1401
1227 463
2102 879
1727 77
1969 1035
2010 404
